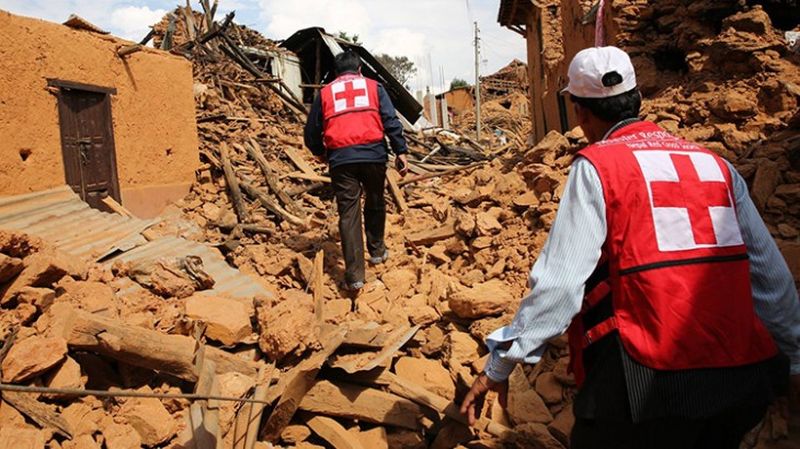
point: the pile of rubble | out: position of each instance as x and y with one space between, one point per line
730 82
505 108
382 369
378 370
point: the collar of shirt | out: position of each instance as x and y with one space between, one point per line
620 125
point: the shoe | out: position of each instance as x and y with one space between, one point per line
354 286
375 260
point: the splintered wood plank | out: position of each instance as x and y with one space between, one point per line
298 161
399 197
232 182
367 404
334 433
42 414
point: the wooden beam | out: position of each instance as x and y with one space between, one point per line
205 414
137 346
317 284
298 161
232 182
112 204
248 419
42 414
253 228
307 177
64 84
441 173
129 50
397 193
365 404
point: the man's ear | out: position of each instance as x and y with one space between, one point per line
582 113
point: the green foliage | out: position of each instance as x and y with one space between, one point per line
458 82
343 35
399 66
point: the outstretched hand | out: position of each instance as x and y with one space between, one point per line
477 392
401 164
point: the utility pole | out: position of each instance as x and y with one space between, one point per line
477 85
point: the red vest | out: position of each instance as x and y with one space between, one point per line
351 112
677 270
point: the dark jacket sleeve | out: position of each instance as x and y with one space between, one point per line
313 131
391 124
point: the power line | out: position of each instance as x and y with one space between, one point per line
123 394
477 84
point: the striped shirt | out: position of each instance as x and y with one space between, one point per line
573 250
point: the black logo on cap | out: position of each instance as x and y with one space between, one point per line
612 79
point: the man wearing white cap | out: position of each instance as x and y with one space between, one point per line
671 289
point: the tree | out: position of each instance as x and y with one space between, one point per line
343 35
399 66
458 82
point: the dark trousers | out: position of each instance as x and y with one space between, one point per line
348 182
723 431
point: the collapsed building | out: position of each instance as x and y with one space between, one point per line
173 345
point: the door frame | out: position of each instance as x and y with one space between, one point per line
64 85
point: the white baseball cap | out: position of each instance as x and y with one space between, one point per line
600 72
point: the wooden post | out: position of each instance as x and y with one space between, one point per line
233 185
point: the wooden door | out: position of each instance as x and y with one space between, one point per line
87 143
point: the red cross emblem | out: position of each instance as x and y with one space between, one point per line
349 94
694 195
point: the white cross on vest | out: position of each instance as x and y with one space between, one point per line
349 94
691 204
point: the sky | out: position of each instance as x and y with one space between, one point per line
436 34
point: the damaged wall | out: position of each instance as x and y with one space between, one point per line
555 33
153 115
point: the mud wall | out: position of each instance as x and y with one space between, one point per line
153 111
554 35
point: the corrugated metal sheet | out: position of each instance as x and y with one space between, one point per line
62 219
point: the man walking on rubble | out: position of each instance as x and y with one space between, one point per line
346 127
669 277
